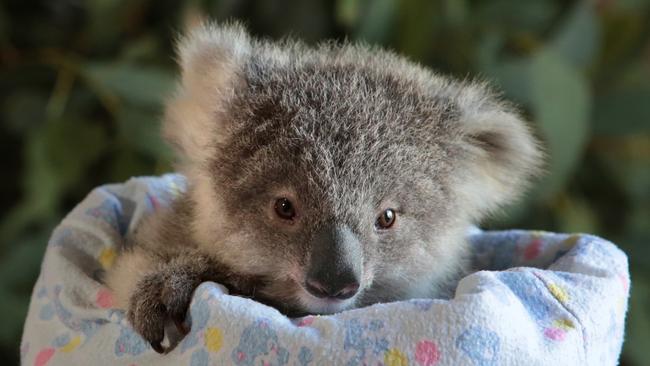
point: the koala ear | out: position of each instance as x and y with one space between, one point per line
501 153
211 59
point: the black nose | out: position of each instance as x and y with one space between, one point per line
338 289
336 263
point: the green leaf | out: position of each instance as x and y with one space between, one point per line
415 38
57 157
141 130
576 216
133 84
375 20
635 75
632 174
308 20
20 266
515 15
513 78
637 225
347 12
511 75
126 163
220 9
23 110
456 12
101 29
146 47
561 102
70 146
487 50
623 112
631 5
578 39
14 310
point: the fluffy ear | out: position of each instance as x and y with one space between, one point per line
500 151
211 59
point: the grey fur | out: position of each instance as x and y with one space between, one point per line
344 131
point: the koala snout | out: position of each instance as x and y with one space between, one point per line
336 264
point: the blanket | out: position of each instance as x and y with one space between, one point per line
540 298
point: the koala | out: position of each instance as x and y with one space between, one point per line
319 179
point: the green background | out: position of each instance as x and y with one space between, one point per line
81 86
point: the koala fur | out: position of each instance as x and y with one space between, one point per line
344 131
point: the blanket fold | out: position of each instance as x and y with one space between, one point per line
541 299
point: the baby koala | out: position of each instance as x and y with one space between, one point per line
319 179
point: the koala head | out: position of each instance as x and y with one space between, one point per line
345 174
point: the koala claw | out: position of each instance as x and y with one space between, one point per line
158 347
160 297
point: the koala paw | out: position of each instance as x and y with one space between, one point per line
160 297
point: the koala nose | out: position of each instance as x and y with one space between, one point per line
339 289
336 264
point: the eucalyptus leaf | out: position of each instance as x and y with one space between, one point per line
561 103
456 12
375 20
576 216
513 77
632 5
578 39
220 9
524 16
636 75
126 163
632 174
623 112
23 110
144 48
135 84
347 12
19 268
141 130
488 50
70 147
305 18
14 310
101 28
415 37
57 158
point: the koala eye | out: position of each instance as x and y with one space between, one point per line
284 209
386 219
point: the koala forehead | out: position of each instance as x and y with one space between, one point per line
343 126
346 130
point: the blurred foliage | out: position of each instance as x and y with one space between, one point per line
82 83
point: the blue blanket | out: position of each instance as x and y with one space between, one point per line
541 299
